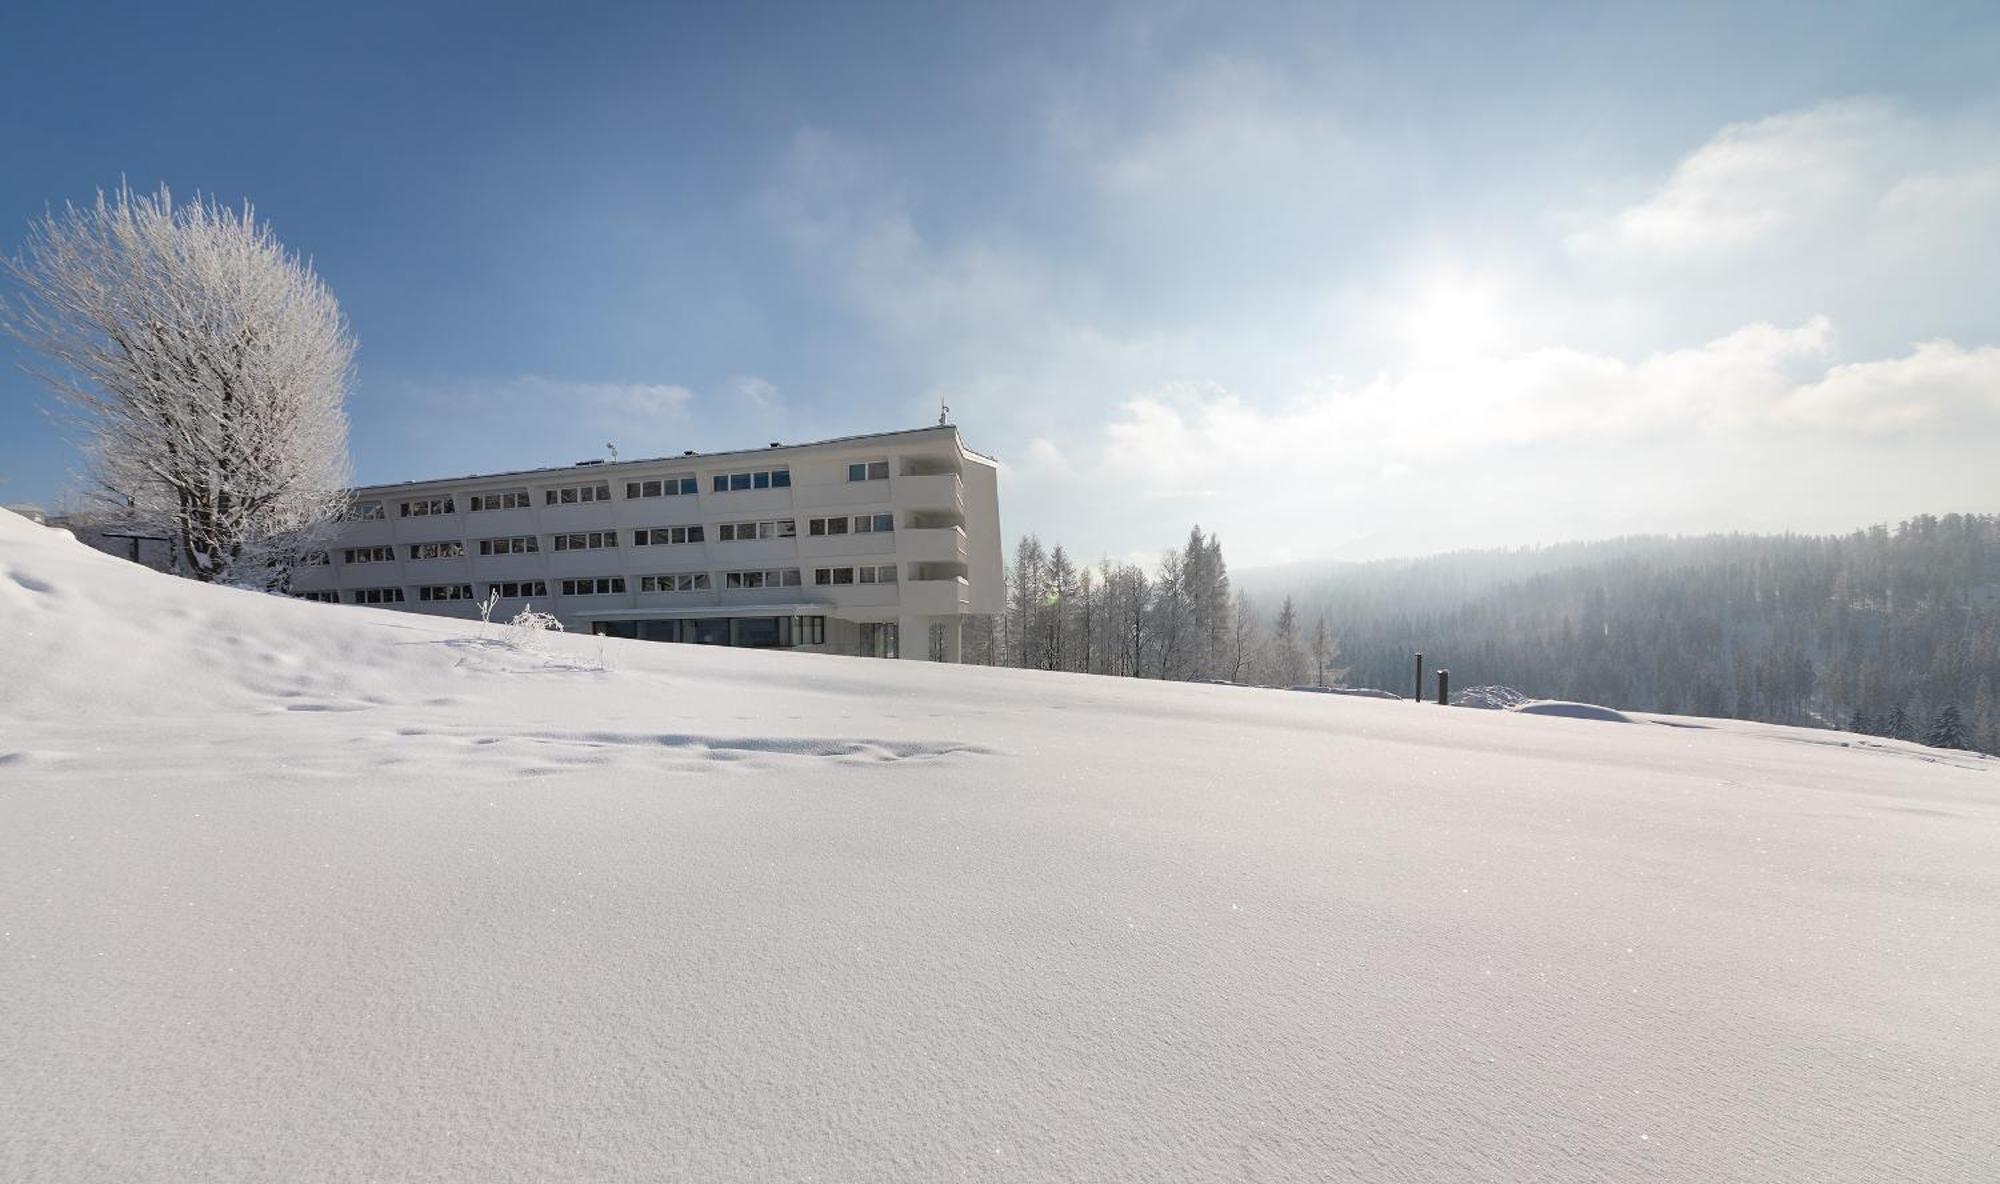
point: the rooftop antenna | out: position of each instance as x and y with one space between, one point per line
943 412
613 450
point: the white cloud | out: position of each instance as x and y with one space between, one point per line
1752 181
1749 429
1760 379
1043 453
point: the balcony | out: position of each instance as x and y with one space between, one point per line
847 546
936 595
934 491
944 544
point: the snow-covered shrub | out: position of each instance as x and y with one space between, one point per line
1493 698
529 629
486 608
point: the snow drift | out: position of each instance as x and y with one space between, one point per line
293 891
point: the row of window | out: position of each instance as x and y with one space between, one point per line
665 487
743 532
663 536
655 537
587 540
570 495
697 581
884 573
775 578
600 491
741 631
862 524
753 479
687 581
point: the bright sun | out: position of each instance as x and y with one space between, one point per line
1450 319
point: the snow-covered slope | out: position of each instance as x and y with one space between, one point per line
301 892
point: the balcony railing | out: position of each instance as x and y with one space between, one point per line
936 491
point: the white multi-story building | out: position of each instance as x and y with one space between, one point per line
876 545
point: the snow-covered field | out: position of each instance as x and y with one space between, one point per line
293 892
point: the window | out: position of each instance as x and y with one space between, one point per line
526 544
878 640
666 536
518 589
874 523
868 574
445 592
663 487
365 512
601 586
368 555
318 597
754 479
873 470
316 558
377 595
513 499
589 540
425 507
451 550
687 581
823 526
570 495
743 532
808 630
785 578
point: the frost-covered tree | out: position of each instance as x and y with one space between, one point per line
1026 586
1288 661
1325 652
205 365
1244 641
1060 613
1172 627
1947 729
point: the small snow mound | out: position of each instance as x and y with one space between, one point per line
1567 710
1356 692
1494 698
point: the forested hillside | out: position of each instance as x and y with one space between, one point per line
1894 631
1880 630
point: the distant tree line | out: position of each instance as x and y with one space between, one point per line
1887 631
1178 620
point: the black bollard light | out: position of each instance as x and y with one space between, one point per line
1444 687
1418 695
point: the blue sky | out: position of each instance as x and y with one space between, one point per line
1329 279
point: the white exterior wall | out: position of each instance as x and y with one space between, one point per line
945 545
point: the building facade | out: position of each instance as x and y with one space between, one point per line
876 545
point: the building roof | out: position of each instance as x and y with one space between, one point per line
625 466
